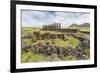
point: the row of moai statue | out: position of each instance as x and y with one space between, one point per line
55 26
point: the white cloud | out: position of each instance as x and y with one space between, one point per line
38 18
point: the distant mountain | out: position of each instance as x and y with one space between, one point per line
73 25
85 25
82 25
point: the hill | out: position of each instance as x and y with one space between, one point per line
82 25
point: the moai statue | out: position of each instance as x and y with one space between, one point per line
53 26
46 27
56 25
43 26
50 27
59 25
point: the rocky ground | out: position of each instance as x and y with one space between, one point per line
56 53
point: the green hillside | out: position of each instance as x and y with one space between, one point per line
83 27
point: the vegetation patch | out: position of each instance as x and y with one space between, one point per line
69 42
30 57
72 42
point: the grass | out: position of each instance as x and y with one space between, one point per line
83 29
56 42
28 41
68 42
59 42
50 32
72 42
29 30
86 29
30 57
87 51
70 58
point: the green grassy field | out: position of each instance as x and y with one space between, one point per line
30 57
68 42
83 29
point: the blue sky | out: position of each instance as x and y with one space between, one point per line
38 18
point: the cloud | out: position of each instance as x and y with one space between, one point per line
38 18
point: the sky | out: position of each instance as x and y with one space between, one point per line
31 18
